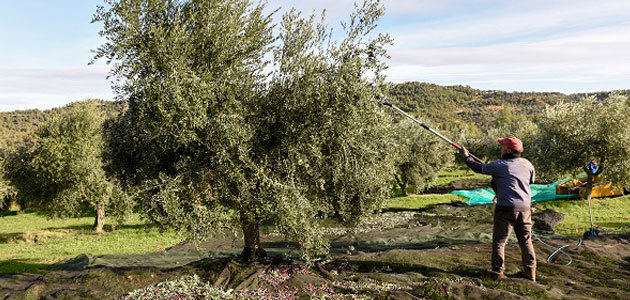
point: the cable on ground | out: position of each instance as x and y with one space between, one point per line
557 250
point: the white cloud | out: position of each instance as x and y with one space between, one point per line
47 88
608 46
338 10
561 45
565 46
521 22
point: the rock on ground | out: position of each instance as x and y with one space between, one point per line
547 220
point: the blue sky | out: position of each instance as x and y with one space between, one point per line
533 45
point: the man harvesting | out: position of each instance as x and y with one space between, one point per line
511 179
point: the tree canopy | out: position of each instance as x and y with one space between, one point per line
572 134
420 156
61 169
230 125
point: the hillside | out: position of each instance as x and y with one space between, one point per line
440 104
443 104
19 124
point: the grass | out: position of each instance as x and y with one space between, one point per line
421 201
61 239
608 213
449 176
428 200
444 178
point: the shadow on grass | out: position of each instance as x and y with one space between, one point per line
8 213
22 266
55 232
398 209
459 184
107 228
7 237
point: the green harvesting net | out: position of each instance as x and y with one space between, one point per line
540 193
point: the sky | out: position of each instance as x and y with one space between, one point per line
518 45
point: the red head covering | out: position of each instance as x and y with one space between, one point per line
512 142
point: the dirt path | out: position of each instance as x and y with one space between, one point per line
440 253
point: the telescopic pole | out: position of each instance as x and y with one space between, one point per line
455 145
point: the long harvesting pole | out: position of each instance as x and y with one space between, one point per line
455 145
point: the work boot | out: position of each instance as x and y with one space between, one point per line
530 273
498 275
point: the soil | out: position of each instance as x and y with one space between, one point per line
439 253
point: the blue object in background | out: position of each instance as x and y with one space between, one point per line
592 166
540 193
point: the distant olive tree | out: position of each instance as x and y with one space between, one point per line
229 126
61 169
507 124
5 186
420 156
573 134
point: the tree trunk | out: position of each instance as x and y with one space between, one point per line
403 188
403 185
337 209
251 236
99 221
15 206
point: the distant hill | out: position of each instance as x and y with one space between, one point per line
19 124
440 104
465 104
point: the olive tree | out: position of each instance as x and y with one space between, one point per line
61 169
420 156
507 124
5 187
573 134
230 125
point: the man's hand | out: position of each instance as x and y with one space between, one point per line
464 152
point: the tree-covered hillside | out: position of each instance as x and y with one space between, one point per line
440 104
19 124
443 104
16 125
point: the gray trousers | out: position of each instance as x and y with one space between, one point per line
504 221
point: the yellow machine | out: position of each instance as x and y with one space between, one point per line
578 187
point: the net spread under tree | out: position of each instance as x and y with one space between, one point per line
211 141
